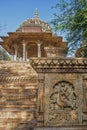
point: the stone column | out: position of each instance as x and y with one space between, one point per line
39 48
24 50
16 52
27 52
41 86
26 55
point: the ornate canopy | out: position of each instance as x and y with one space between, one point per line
34 24
33 38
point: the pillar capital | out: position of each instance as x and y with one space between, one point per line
24 43
15 46
39 42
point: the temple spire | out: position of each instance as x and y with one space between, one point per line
36 13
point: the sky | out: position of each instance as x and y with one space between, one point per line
14 12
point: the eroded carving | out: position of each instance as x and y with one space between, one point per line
63 97
85 94
63 104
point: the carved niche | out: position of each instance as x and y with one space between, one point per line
63 105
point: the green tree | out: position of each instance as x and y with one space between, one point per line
4 55
72 20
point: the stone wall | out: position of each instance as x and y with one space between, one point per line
18 96
49 94
63 88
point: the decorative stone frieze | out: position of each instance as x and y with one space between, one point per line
17 79
62 65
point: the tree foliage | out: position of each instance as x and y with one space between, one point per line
4 55
72 19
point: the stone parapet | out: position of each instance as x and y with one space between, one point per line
78 65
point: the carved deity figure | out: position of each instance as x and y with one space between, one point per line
63 96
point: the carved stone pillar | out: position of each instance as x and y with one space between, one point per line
39 48
16 52
26 55
24 50
27 52
41 100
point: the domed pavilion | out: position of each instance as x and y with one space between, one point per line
34 38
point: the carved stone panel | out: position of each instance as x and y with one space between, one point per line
85 100
63 104
85 94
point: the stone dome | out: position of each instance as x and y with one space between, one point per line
34 24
